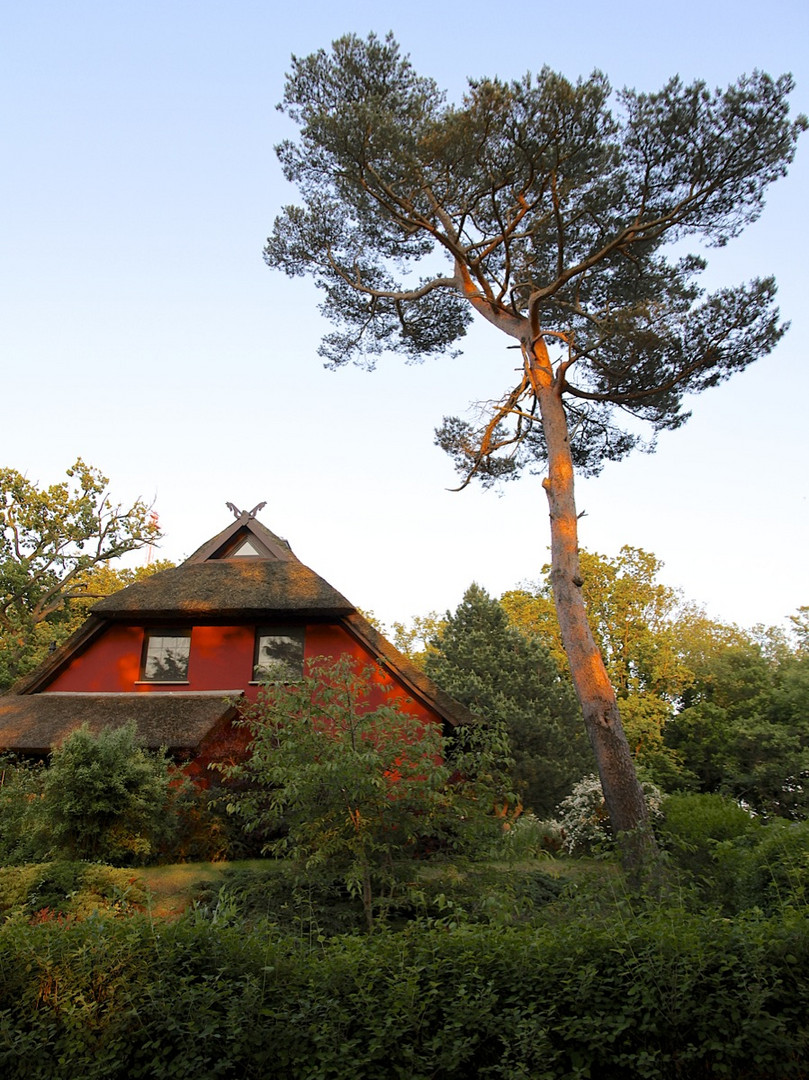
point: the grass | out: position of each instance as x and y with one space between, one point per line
173 888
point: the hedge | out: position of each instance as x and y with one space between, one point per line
656 994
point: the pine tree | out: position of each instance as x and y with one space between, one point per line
501 674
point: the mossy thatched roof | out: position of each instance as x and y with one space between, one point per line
35 723
247 588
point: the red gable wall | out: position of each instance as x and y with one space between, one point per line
221 659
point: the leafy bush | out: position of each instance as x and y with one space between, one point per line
690 827
649 994
354 784
24 836
774 873
528 837
106 798
737 861
68 888
281 895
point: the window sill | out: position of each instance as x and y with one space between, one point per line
162 682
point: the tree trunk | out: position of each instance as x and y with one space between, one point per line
623 794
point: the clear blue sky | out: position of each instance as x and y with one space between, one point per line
141 329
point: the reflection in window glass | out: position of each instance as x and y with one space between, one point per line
279 655
165 656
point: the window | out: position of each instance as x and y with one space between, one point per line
247 549
165 656
278 655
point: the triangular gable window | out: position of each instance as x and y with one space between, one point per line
246 549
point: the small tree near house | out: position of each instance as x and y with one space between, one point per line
551 209
351 784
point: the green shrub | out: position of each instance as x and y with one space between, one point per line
651 994
738 861
775 872
68 888
528 837
690 827
106 798
24 836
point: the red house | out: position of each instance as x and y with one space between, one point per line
173 652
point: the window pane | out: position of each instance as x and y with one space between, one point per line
166 656
279 655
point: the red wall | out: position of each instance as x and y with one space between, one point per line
221 658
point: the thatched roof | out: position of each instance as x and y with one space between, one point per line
214 583
35 723
247 588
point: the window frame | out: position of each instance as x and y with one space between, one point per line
149 634
292 633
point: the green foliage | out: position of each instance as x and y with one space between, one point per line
775 872
648 994
415 639
24 836
642 629
691 827
72 889
744 728
351 781
736 861
50 541
560 211
509 678
106 798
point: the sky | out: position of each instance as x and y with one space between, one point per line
141 330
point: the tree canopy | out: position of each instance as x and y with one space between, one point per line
563 211
54 544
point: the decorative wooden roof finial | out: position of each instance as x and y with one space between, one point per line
237 513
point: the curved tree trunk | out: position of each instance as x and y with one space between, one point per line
623 794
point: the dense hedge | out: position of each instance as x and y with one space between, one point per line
656 994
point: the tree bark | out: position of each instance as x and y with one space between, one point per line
623 794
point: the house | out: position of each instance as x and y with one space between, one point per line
178 650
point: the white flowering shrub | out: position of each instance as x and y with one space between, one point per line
583 816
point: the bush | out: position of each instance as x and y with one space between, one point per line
106 798
657 994
68 888
24 836
737 861
528 837
775 872
584 820
691 826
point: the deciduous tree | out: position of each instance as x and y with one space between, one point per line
352 783
551 209
52 541
642 628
